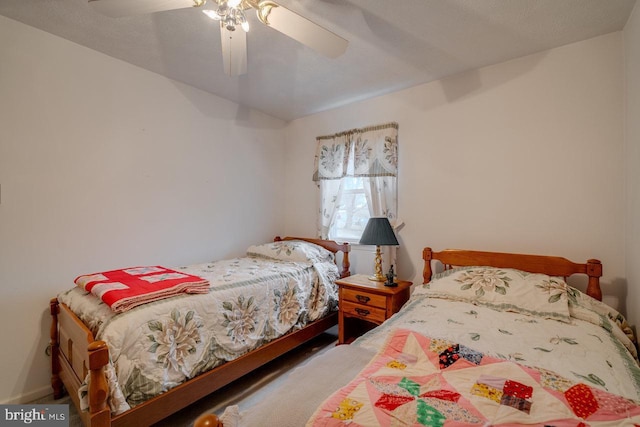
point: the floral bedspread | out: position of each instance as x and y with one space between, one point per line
415 380
252 300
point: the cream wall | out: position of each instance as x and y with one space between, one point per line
105 165
524 156
632 157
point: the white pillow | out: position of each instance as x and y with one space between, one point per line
503 289
292 250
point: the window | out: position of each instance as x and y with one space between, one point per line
356 174
352 212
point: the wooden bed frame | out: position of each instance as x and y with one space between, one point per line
450 258
75 353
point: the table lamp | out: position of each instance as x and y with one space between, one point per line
378 232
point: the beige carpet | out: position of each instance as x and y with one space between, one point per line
243 392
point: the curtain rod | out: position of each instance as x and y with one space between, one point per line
393 125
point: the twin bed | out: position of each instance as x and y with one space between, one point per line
140 366
493 339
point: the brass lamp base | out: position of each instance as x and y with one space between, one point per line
383 279
378 276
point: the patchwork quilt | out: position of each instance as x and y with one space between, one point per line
415 380
509 315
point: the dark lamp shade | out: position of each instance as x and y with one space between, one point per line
378 232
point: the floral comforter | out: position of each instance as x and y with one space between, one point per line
275 289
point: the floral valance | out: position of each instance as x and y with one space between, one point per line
375 151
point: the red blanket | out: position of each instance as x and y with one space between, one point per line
129 287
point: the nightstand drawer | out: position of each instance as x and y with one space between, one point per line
369 313
364 298
365 303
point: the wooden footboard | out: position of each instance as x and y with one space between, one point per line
74 354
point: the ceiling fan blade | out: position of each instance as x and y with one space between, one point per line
234 51
118 8
301 29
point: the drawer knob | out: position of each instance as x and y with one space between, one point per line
363 299
362 312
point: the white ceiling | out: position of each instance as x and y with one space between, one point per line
393 44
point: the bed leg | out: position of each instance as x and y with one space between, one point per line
56 382
98 386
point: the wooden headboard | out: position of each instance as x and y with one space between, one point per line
550 265
329 245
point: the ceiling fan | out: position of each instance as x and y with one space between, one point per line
230 14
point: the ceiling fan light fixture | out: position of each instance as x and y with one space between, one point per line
243 22
263 10
230 16
223 8
229 23
212 14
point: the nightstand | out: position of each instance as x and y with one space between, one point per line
364 304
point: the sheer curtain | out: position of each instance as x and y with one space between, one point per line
376 160
370 153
